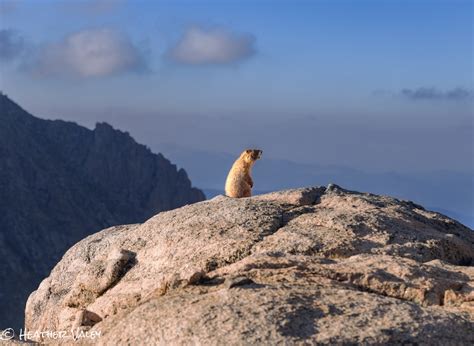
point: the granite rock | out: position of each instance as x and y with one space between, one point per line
310 265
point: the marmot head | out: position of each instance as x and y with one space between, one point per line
251 155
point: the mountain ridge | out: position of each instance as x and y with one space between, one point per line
60 182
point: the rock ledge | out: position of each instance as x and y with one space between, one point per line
311 265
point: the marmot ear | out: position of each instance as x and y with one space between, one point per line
248 151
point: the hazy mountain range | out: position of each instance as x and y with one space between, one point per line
448 192
60 182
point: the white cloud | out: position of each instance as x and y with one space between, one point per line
213 46
88 53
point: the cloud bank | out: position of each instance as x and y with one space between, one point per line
12 44
86 54
199 46
431 93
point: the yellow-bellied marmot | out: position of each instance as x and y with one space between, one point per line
239 182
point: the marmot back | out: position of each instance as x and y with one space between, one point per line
239 181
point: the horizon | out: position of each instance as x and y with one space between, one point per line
443 191
164 147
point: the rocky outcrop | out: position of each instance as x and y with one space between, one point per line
60 182
314 265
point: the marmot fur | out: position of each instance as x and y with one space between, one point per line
239 182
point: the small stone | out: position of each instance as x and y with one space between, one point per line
237 281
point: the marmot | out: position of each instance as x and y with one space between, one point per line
239 182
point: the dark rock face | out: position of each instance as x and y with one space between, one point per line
60 182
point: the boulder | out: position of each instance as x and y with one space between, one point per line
310 265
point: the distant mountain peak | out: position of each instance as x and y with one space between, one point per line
104 126
9 108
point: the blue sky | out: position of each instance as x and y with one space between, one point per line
383 85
